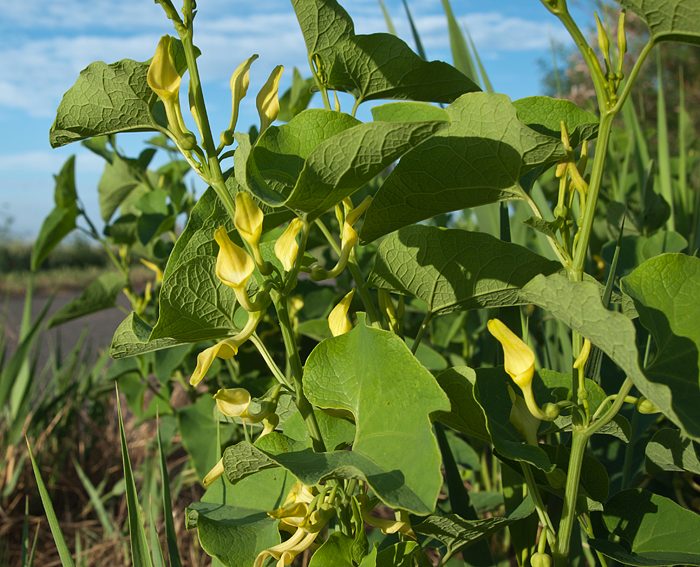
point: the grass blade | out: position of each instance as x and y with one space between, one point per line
387 18
684 125
663 150
170 535
485 80
59 540
140 556
414 31
95 500
461 58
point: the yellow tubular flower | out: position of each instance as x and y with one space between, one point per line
338 320
248 219
162 76
233 264
268 102
286 247
401 525
519 358
235 402
228 348
214 473
240 81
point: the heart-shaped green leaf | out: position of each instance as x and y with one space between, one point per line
668 450
453 269
487 149
673 389
669 20
373 375
545 114
194 304
648 529
320 157
665 290
372 66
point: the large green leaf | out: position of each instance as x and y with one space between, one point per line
545 115
234 535
669 20
337 550
579 305
320 157
373 375
118 180
457 533
455 269
61 221
466 415
409 112
245 460
194 304
372 66
648 529
477 159
668 450
231 521
101 294
132 338
665 290
199 433
107 99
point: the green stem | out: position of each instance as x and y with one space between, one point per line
545 520
424 326
305 408
561 11
355 272
216 178
627 87
573 478
267 357
612 412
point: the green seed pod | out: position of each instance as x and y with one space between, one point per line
540 560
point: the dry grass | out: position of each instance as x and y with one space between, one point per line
95 446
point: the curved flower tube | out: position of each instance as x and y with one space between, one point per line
226 349
519 364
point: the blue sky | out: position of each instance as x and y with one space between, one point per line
44 45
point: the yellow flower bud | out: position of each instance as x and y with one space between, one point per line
519 360
268 101
286 247
233 402
233 264
162 76
154 268
269 424
248 218
338 320
214 474
226 349
240 81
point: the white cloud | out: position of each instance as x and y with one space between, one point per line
40 70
